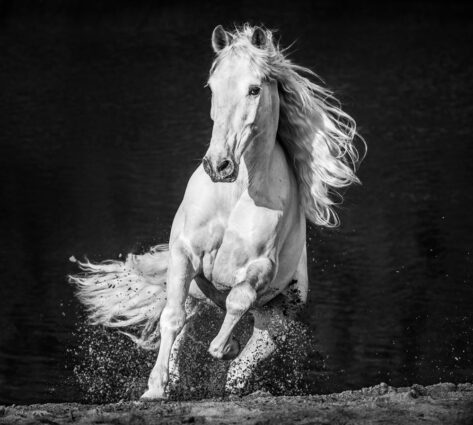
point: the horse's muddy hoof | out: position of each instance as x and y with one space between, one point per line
259 394
233 349
150 396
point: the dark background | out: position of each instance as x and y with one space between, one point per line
103 117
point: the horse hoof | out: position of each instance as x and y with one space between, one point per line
232 349
150 395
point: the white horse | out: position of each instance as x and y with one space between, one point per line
280 148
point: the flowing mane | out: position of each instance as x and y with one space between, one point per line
315 132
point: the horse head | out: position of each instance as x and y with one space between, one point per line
245 103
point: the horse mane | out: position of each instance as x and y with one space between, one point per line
315 132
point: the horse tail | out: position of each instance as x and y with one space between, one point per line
126 294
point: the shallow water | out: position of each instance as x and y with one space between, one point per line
103 118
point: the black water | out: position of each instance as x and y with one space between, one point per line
103 117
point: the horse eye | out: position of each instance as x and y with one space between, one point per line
254 91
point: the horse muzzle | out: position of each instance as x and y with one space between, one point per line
225 170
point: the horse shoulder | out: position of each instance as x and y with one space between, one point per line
196 223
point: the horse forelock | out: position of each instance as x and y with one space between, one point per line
316 134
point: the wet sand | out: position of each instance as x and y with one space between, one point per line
444 404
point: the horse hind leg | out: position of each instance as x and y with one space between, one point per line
259 347
298 290
271 322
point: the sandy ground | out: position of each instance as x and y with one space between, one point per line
437 404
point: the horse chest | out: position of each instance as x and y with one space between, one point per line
221 265
228 245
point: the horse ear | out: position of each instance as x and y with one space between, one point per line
259 38
219 39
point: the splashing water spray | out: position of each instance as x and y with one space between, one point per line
109 367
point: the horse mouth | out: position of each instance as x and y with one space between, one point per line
229 179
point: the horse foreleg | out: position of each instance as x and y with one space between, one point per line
174 375
239 300
173 318
192 308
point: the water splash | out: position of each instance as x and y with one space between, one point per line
108 367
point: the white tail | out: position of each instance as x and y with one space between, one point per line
130 293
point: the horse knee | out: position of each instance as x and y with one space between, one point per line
173 319
241 298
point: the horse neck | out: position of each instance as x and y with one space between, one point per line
256 162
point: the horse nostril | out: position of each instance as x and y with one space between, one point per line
224 165
206 164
